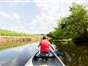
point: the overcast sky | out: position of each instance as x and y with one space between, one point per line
33 16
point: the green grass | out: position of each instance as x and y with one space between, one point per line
4 32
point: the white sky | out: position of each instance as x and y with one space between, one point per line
33 16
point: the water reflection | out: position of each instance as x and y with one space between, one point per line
17 56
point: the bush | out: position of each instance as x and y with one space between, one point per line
74 56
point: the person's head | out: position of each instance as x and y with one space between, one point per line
44 37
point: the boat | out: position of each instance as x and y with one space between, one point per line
53 60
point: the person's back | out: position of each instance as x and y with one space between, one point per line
44 46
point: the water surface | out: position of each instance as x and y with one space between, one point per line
17 56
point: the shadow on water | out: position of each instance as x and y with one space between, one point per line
24 56
17 56
7 56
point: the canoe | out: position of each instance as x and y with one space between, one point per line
52 61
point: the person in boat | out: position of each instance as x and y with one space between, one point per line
45 46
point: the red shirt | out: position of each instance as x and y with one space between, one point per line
44 45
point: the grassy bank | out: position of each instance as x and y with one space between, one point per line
13 41
4 32
9 39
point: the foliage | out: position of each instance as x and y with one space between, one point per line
75 56
74 24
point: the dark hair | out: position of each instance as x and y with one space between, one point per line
44 37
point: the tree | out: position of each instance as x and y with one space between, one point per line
74 24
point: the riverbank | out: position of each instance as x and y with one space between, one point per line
14 41
74 55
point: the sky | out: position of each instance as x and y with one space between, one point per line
33 16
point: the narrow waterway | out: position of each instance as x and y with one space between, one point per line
17 56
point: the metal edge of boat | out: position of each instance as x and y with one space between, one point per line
29 63
58 58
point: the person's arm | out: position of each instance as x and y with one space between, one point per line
51 45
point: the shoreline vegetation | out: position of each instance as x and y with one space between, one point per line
9 39
74 26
